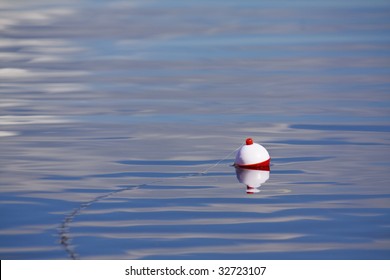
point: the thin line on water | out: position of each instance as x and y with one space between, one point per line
64 229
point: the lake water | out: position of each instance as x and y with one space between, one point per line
113 116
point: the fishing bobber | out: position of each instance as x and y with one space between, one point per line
252 156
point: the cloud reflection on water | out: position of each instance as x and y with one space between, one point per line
97 97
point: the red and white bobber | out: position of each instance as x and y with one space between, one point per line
252 156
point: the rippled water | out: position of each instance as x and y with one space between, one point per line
111 111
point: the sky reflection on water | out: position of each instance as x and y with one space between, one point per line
128 101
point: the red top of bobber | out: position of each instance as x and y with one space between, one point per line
249 141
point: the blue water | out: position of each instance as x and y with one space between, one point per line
114 115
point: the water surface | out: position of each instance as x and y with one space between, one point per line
110 112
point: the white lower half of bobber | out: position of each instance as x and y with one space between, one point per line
252 156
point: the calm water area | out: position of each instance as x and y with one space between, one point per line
114 115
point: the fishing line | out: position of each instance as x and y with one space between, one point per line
64 228
218 162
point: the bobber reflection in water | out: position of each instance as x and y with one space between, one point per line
252 178
252 165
